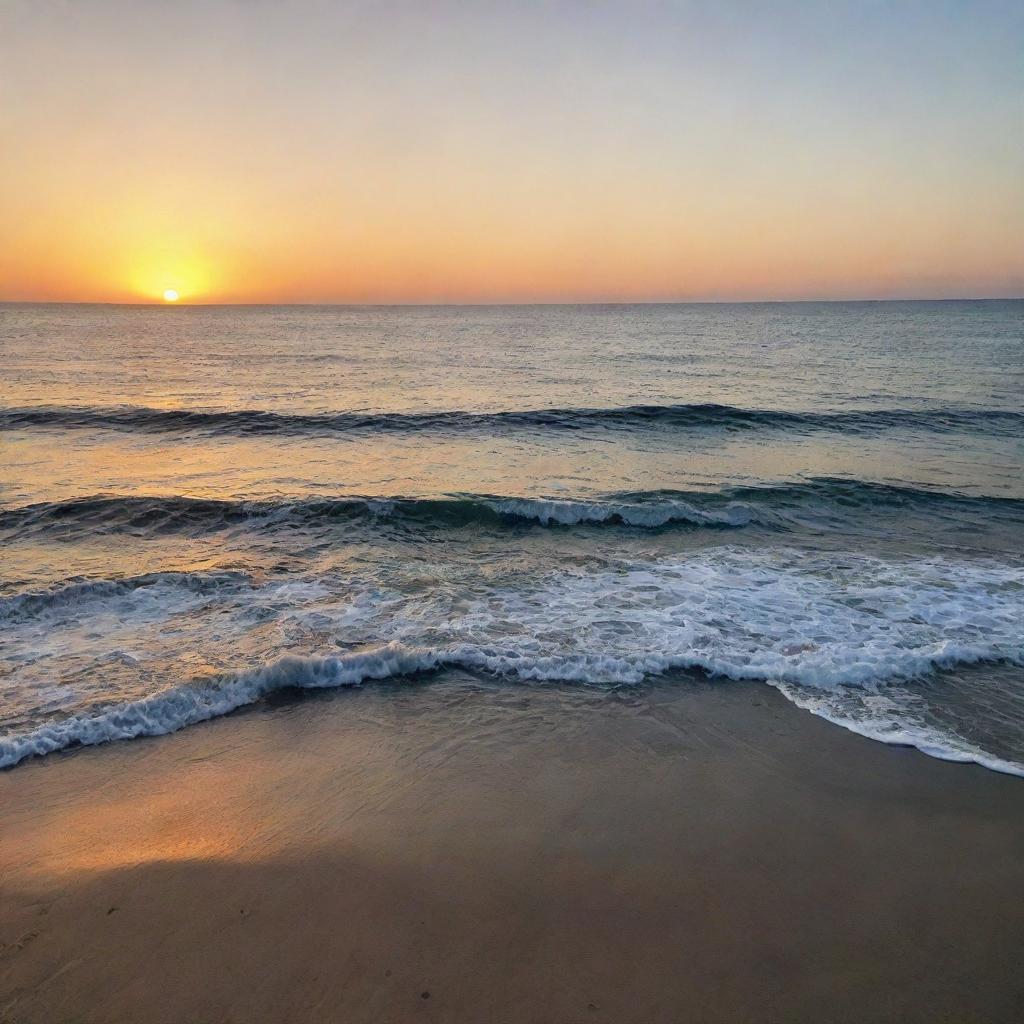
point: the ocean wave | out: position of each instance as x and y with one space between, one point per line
833 632
704 415
170 711
78 594
822 502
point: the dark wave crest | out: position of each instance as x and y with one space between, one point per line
823 503
78 592
706 416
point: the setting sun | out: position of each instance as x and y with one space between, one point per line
607 414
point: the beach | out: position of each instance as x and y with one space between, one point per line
687 850
511 513
647 664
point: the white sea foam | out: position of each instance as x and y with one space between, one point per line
896 724
821 628
572 513
186 705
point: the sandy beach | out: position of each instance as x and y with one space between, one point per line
454 850
511 513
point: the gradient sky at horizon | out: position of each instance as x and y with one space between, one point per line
379 152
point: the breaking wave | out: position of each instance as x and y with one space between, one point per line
168 712
833 633
821 502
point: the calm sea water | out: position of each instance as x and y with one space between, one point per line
201 506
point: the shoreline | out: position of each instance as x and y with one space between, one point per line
688 850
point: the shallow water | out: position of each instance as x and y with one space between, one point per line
201 506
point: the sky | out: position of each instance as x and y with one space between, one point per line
313 151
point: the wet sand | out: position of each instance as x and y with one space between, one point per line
460 851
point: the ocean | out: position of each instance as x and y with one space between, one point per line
202 508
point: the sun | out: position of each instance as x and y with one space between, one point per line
170 295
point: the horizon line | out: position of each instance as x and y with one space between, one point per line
525 303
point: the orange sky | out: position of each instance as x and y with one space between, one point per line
309 152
